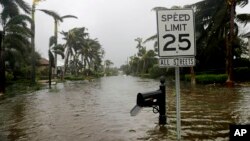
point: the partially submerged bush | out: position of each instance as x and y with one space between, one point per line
208 78
242 74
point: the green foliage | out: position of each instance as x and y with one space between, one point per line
125 69
43 74
241 62
74 78
141 63
144 75
208 78
212 33
156 72
242 74
112 72
82 52
9 76
53 14
21 87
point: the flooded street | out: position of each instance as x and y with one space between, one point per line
99 111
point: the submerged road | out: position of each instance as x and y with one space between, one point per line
99 111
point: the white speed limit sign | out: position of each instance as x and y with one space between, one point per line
176 32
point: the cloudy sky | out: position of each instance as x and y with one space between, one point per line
116 23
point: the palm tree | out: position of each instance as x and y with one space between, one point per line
56 18
33 71
215 24
57 49
79 46
229 60
14 38
91 53
107 64
133 63
141 52
74 39
149 59
10 9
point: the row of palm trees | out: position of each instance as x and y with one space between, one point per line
17 42
141 62
81 52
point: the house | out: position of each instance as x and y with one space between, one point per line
43 64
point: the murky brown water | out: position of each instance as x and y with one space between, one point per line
99 111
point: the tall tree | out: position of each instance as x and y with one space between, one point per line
33 29
57 18
229 59
141 52
10 9
56 49
216 26
91 53
108 63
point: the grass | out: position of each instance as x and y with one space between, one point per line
21 87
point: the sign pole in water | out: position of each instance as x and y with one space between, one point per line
176 46
178 105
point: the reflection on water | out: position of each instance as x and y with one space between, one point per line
99 111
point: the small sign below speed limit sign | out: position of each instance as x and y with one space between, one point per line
176 32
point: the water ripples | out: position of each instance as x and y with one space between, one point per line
99 111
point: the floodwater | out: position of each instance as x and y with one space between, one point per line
99 111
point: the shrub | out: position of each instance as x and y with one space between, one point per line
156 72
73 78
144 75
242 74
208 78
9 76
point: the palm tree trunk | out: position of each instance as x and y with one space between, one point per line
33 60
143 67
137 67
88 66
88 62
85 64
193 81
2 65
229 58
249 48
56 36
65 63
50 70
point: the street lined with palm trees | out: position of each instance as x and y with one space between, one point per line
19 58
89 91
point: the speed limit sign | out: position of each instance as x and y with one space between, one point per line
176 32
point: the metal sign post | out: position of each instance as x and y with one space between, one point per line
176 46
178 105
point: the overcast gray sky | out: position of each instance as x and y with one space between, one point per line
116 23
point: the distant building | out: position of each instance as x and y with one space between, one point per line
43 64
